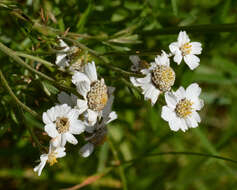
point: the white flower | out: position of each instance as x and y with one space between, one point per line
65 98
99 130
93 90
61 58
51 157
183 48
61 122
159 78
182 106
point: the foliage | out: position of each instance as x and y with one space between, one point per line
116 29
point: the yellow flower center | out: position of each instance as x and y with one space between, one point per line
62 124
163 77
52 158
186 48
97 96
184 108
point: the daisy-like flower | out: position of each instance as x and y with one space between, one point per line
183 48
51 157
99 130
93 90
138 64
182 107
159 78
61 122
61 58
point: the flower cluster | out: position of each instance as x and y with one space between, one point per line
182 105
89 114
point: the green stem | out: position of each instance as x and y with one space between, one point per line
205 28
15 57
121 168
181 153
4 82
46 63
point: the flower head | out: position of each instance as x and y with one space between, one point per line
61 122
159 78
99 130
183 48
93 90
51 157
181 108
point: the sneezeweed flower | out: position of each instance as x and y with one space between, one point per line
159 78
93 90
182 107
138 64
51 157
61 122
99 130
183 48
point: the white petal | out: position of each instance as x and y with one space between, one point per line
63 139
192 61
77 127
49 116
79 77
73 115
174 47
144 80
180 93
60 152
112 117
175 124
193 91
86 150
198 104
39 168
171 99
51 130
92 117
83 88
55 142
90 71
162 59
196 116
145 71
61 110
167 114
191 122
178 57
134 81
196 48
183 125
183 38
70 138
82 105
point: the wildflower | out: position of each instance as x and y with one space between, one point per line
99 130
159 78
183 48
61 122
94 92
138 64
51 157
182 106
61 58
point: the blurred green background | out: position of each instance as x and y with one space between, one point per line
116 29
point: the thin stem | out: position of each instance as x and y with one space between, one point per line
128 53
121 168
182 153
25 107
205 28
46 63
104 60
14 56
